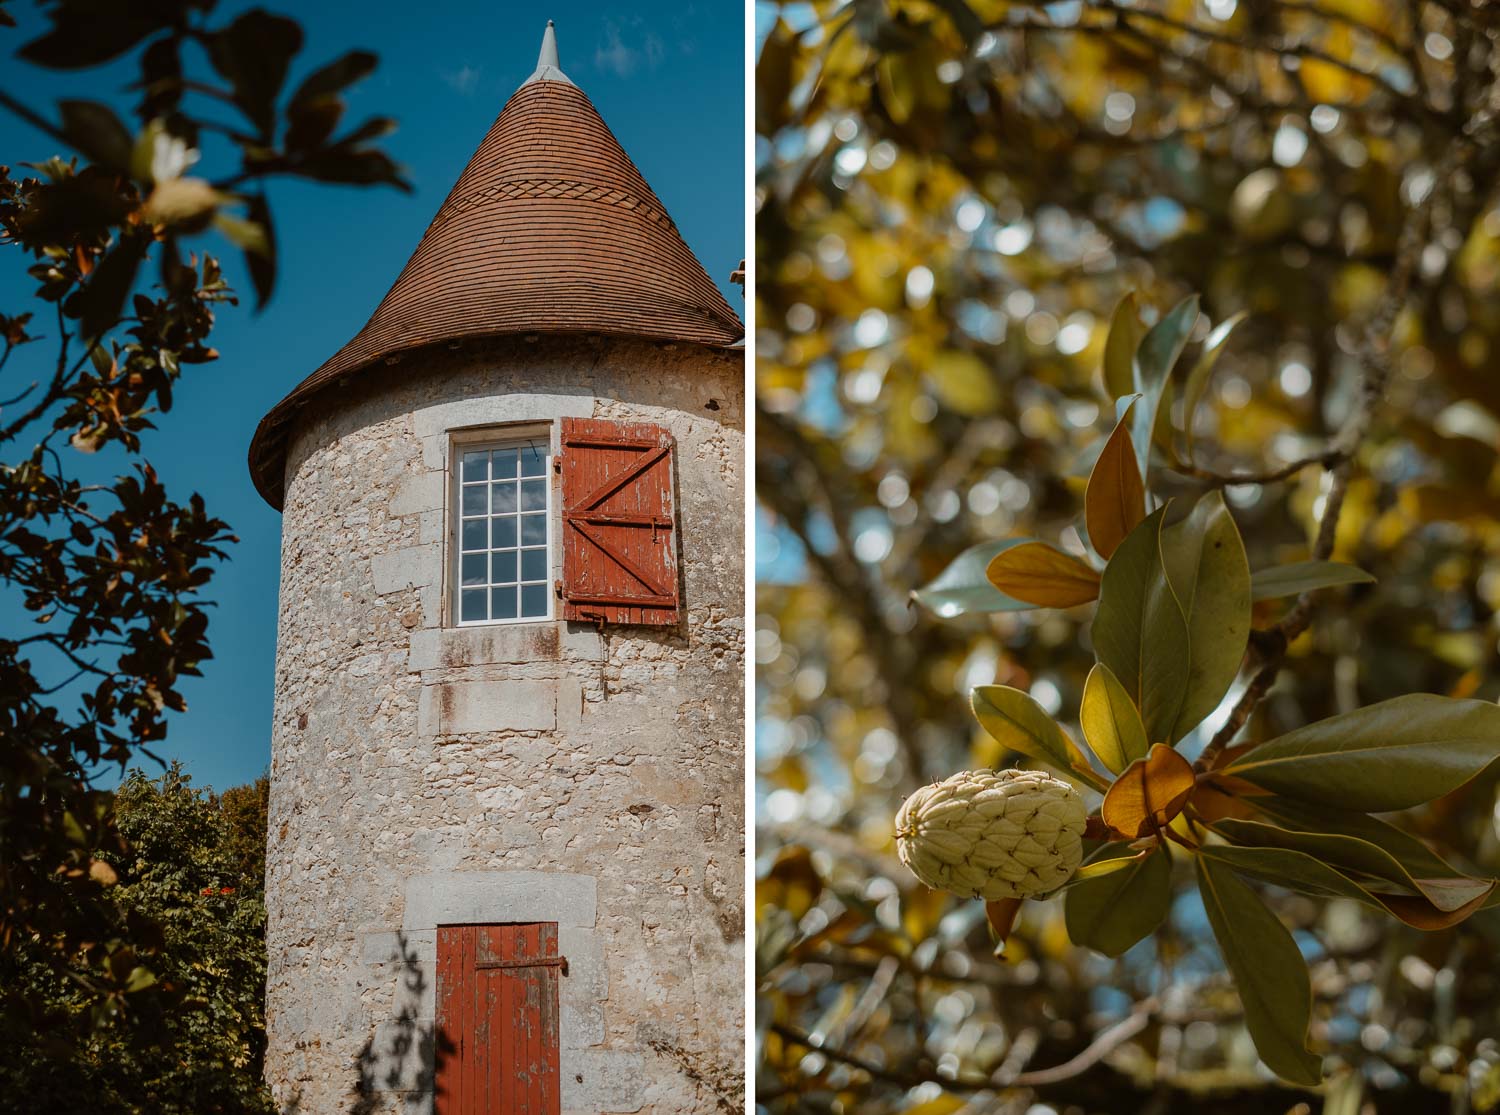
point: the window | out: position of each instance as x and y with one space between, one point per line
504 532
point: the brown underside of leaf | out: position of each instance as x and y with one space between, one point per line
1115 499
1043 575
1149 793
1002 914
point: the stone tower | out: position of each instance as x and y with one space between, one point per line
506 836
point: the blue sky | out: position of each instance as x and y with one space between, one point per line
667 78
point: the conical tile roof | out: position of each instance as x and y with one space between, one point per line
550 229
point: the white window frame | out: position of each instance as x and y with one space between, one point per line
491 439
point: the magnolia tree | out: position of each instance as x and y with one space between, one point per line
1215 578
111 214
1173 595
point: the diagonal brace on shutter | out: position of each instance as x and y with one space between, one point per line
615 483
620 559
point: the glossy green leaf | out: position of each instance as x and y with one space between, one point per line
1307 874
1139 630
1110 913
1286 867
1210 576
1268 971
1020 724
1304 576
1203 370
1446 890
1392 755
1125 333
1158 352
1110 721
1415 857
962 587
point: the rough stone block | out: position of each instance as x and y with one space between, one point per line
467 707
569 704
612 1081
499 409
582 643
399 1056
415 494
454 648
395 946
408 567
486 897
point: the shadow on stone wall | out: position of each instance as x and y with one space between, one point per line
396 1068
402 1055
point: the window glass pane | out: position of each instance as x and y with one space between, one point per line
503 603
533 529
503 567
533 460
533 495
475 569
472 605
533 565
505 531
503 499
534 600
475 531
476 465
504 463
473 499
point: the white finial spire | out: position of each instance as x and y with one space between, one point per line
547 66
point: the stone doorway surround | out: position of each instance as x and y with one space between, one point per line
402 1050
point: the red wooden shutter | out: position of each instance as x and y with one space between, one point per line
619 523
497 1010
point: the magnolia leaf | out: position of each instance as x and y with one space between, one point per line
1392 755
1017 722
1149 793
1415 857
963 587
1109 913
1268 970
1158 352
1115 498
181 201
1206 566
1304 576
1139 631
1203 370
1043 576
1445 889
96 131
1002 914
1306 874
1110 722
1125 333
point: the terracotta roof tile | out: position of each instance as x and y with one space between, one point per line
550 229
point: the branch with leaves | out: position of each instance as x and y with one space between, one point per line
111 230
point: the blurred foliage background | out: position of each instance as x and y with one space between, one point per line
952 198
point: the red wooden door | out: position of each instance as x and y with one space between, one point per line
497 1008
619 523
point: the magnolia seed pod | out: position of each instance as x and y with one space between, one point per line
993 833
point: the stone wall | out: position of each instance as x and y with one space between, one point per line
424 774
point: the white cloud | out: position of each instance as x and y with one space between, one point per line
463 80
624 50
613 55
